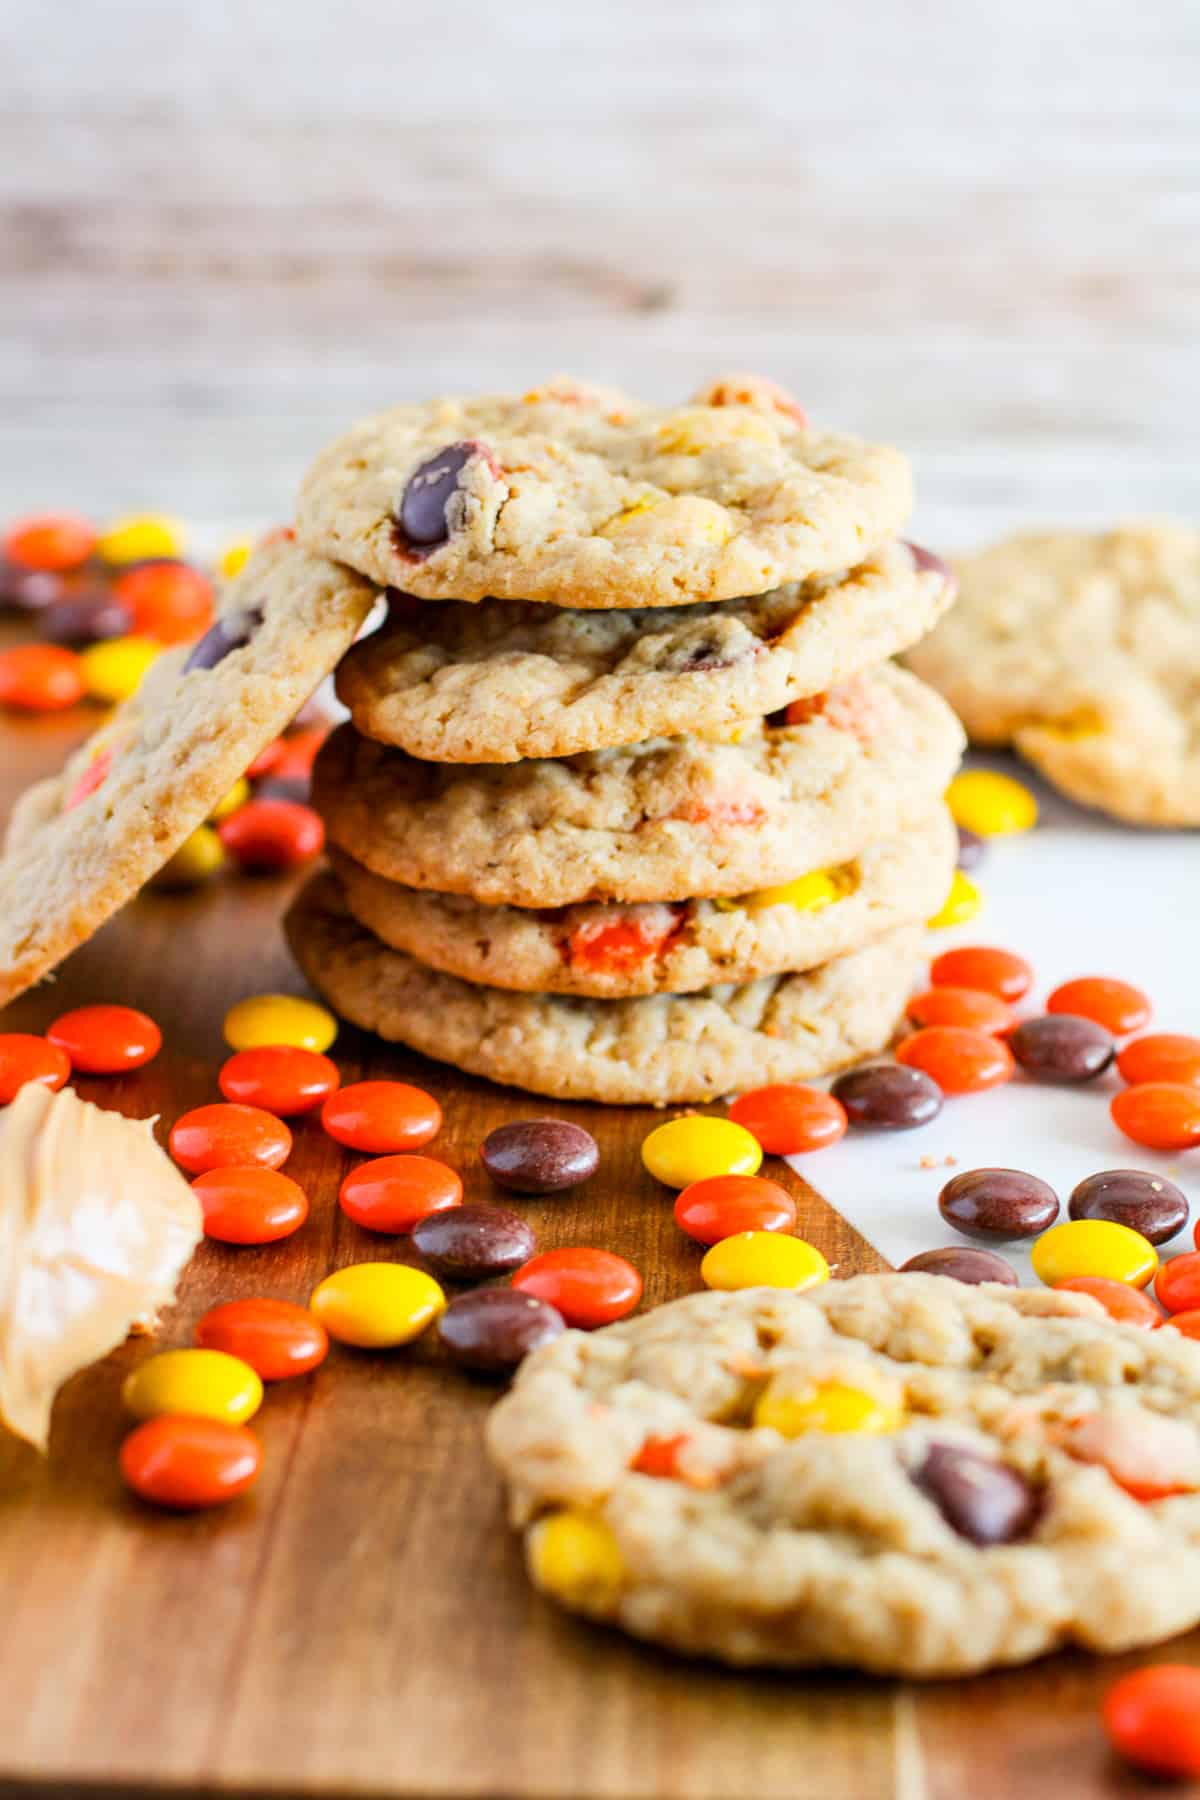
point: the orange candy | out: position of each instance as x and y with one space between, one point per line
589 1287
275 1337
660 1456
961 1061
788 1119
297 753
391 1193
1116 1005
1152 1718
281 1078
1188 1322
269 835
106 1040
1162 1115
91 778
1127 1305
1161 1056
24 1057
266 760
998 972
168 601
1177 1283
381 1116
225 1137
184 1462
40 678
624 941
50 541
722 1205
973 1007
250 1205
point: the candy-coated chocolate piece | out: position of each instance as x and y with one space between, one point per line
1124 1304
723 1205
25 1057
250 1205
237 796
962 903
1061 1049
115 669
998 1203
52 541
141 537
763 1259
279 1078
887 1097
827 1406
808 893
40 678
1177 1283
381 1116
1094 1247
106 1040
1147 1203
1150 1457
981 1499
279 1019
974 1008
169 601
1116 1005
789 1119
998 972
991 804
422 516
390 1193
960 1263
1152 1718
1162 1115
1188 1322
276 1338
229 632
93 775
185 1462
377 1306
492 1329
234 557
473 1243
575 1556
87 618
206 1384
971 849
223 1135
268 836
197 860
685 1150
1161 1056
961 1061
588 1287
539 1156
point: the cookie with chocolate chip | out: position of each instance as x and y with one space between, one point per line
585 497
506 679
83 842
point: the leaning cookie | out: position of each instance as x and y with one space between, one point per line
652 1051
674 819
506 679
614 951
584 497
84 842
898 1473
1082 650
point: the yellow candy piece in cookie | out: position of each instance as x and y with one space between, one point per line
677 519
809 893
1085 722
991 804
575 1556
701 428
831 1406
962 903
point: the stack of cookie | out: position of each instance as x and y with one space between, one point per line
631 806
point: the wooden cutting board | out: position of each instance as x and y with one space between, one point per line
360 1624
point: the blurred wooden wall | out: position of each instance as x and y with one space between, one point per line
227 230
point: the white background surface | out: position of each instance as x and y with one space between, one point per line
1076 896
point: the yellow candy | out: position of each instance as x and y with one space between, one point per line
825 1406
1085 722
140 537
1094 1247
575 1557
116 669
237 797
989 804
204 1382
377 1305
234 557
763 1259
279 1019
810 893
686 1150
676 519
962 903
197 860
695 429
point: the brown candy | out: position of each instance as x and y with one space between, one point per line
888 1097
539 1156
961 1264
985 1501
492 1329
1061 1048
471 1243
1147 1203
998 1203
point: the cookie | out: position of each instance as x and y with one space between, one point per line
83 842
985 1510
672 819
612 952
587 498
1082 650
656 1050
506 679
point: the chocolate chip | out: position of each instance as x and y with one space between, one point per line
971 848
1147 1203
1061 1048
229 632
691 659
421 518
88 619
495 1328
961 1264
998 1203
985 1501
539 1156
471 1243
888 1097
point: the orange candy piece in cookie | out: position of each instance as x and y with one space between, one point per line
625 939
752 390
